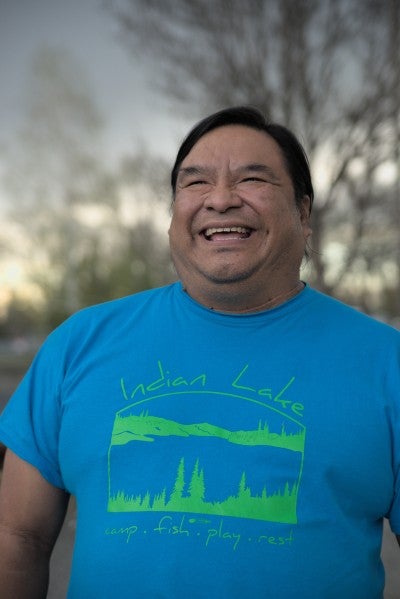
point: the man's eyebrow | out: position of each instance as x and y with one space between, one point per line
259 168
253 167
193 170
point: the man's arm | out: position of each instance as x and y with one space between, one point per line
32 512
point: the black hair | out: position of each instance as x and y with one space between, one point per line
293 152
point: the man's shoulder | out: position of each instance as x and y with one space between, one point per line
125 304
114 314
337 313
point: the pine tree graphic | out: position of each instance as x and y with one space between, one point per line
179 486
197 487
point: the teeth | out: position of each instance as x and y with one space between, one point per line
213 230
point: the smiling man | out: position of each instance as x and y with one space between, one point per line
237 233
234 434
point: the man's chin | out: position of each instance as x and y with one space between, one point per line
227 276
222 272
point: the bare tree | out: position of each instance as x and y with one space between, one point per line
393 51
79 246
52 168
327 69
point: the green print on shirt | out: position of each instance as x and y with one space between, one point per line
191 497
187 481
145 428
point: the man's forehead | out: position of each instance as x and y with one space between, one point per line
241 143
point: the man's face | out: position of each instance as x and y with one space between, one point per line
234 217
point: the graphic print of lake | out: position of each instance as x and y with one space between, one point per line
249 470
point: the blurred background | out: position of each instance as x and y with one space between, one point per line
95 98
97 94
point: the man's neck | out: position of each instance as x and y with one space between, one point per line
233 303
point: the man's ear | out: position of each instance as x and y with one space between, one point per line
305 214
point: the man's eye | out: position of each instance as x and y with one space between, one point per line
251 179
196 182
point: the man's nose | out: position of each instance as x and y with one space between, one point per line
222 197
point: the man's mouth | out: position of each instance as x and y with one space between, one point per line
218 233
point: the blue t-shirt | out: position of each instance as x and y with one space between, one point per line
217 455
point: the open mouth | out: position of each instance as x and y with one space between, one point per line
222 233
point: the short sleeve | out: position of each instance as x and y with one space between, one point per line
30 422
394 386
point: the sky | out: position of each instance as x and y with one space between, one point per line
134 114
132 109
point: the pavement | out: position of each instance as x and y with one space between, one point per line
391 561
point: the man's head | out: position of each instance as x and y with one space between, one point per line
292 151
242 199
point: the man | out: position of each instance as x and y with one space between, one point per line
234 434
